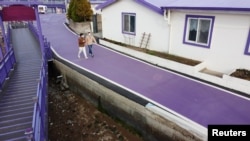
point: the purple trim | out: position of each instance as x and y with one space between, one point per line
208 8
1 53
246 52
150 6
97 1
125 32
224 5
39 28
105 4
210 30
6 64
27 2
141 2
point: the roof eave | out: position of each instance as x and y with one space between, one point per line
150 6
105 4
141 2
208 8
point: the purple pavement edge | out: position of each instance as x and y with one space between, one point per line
201 103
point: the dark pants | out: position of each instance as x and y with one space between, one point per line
90 50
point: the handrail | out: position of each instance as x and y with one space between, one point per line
39 124
7 63
33 1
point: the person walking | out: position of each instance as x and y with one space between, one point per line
81 44
90 39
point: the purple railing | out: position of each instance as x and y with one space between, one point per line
33 1
7 62
46 50
40 123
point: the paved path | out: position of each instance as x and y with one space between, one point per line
202 103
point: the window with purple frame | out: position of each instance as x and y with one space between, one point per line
198 30
247 48
128 23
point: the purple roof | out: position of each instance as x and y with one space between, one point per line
105 4
233 5
154 5
159 5
97 1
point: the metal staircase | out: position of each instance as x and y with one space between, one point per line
17 98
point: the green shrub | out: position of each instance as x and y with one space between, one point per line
79 11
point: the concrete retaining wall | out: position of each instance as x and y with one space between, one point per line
80 27
152 126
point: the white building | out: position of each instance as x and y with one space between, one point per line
211 31
220 32
126 21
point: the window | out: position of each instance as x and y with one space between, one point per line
128 23
247 49
198 30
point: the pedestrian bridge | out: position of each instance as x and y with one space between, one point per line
23 68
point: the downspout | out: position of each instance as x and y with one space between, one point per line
167 17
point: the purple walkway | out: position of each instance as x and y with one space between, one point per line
196 101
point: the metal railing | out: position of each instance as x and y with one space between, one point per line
40 123
6 65
35 1
7 62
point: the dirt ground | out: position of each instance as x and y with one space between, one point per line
242 74
72 118
159 54
239 73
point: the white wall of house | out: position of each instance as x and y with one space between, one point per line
147 21
229 38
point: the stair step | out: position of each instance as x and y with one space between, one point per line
15 97
16 109
24 81
15 115
15 127
16 121
23 91
16 103
27 75
22 138
13 135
